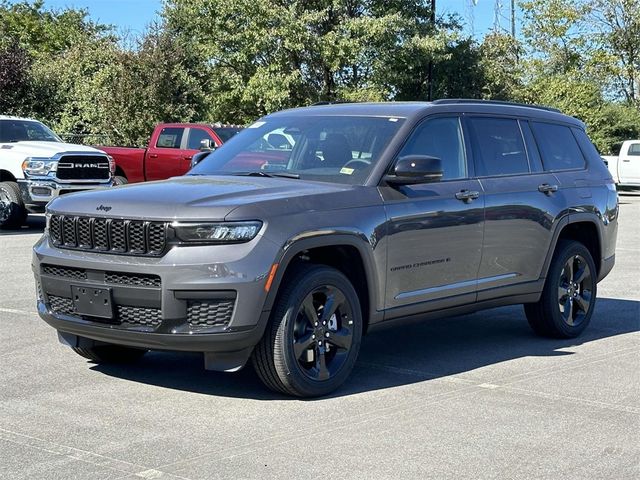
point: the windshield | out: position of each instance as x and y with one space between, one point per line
335 149
25 131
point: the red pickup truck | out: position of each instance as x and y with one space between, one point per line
169 152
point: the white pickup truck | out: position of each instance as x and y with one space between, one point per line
36 166
625 168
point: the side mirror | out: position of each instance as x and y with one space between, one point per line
198 157
414 169
207 145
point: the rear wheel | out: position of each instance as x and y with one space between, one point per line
313 339
13 213
110 353
569 294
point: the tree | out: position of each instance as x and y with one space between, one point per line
15 81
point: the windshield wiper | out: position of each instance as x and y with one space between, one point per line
267 174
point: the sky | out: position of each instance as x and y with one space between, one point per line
135 15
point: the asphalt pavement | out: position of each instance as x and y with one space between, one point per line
476 396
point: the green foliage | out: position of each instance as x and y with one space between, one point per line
236 60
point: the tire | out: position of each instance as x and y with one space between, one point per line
332 342
110 353
13 213
119 180
569 296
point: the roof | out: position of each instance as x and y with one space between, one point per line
419 109
10 117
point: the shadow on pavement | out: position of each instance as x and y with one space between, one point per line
400 355
35 224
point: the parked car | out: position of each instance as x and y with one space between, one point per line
36 166
171 148
379 213
625 168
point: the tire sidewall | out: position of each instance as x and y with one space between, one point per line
303 285
17 213
567 251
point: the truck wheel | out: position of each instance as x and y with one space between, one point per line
110 353
569 294
13 214
312 341
118 180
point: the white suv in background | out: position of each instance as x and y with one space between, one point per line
36 166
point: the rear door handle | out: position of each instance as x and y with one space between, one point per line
467 195
188 157
153 155
626 161
548 189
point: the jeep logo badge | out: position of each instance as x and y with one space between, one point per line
103 208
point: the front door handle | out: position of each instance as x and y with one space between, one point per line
548 189
467 195
153 155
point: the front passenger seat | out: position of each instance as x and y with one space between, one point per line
336 151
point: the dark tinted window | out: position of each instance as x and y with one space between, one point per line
588 149
634 149
498 146
558 146
196 135
532 148
225 133
170 138
442 138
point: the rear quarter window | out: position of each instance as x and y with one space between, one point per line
558 147
634 150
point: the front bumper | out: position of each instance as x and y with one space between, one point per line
37 193
183 301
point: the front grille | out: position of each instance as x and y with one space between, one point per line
132 237
61 305
137 279
70 272
83 167
149 317
210 313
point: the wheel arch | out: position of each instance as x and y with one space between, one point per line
7 176
349 253
583 228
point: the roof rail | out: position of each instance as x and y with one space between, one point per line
445 101
332 102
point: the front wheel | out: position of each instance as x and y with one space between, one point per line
313 339
13 213
569 296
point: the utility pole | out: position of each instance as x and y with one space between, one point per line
513 19
430 72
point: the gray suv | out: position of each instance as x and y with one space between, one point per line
315 225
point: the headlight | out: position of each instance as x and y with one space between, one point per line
223 232
39 166
112 164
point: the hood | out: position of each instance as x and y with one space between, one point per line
209 198
46 149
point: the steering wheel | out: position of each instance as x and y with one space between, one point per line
357 164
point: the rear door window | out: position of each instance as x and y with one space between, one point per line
196 136
170 138
558 147
498 146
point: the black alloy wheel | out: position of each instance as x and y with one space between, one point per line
312 341
569 295
323 332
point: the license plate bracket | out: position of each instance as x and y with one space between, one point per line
92 301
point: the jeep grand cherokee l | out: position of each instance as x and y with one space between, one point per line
285 257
